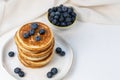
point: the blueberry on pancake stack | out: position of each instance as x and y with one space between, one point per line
35 44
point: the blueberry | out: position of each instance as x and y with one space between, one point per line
61 18
59 9
73 19
21 74
11 54
17 70
26 35
57 13
56 17
37 38
58 50
54 9
54 21
54 71
52 14
68 19
64 9
50 10
49 74
32 32
50 18
61 5
70 10
42 31
62 53
73 14
69 23
63 24
34 25
65 14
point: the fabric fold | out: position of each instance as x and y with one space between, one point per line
17 12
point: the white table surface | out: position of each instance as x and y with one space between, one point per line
96 52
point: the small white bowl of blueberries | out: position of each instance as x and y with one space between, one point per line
61 16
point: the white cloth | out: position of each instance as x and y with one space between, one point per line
17 12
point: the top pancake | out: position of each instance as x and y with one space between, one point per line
30 43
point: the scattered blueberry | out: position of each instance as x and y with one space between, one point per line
42 31
58 50
11 54
32 31
62 53
61 15
54 71
49 74
21 74
26 35
34 25
17 70
37 38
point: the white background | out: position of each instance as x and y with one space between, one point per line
97 52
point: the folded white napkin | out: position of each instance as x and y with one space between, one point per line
17 12
98 11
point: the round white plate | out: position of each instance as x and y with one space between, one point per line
63 64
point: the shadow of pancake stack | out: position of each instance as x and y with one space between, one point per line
35 44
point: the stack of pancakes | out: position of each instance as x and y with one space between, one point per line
32 53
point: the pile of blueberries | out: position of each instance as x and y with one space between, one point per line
60 51
61 16
53 72
34 26
19 72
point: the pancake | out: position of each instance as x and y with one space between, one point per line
32 53
29 51
30 42
34 64
37 55
38 58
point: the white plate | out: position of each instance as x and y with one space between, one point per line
63 64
